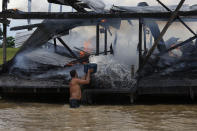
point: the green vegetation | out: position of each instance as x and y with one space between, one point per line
10 53
10 42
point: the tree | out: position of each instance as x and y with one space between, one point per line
10 41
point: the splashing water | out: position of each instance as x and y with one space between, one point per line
111 73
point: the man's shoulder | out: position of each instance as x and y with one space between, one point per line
75 80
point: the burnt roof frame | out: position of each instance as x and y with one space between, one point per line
168 9
168 24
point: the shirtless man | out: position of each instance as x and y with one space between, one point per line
75 89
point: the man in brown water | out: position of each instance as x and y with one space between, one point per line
75 89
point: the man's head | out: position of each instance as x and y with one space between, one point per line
73 73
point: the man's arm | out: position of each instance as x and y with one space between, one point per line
84 77
87 81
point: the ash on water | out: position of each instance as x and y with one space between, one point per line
111 73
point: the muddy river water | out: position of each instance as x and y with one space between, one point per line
18 116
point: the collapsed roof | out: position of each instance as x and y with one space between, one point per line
142 7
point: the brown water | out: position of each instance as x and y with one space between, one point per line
38 116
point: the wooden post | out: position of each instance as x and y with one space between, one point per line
29 10
60 8
105 50
55 44
140 43
4 43
4 4
4 8
144 30
97 40
173 16
49 8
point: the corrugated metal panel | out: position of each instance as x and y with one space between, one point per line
21 37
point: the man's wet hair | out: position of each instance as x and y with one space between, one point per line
73 73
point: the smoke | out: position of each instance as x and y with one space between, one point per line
21 62
179 30
77 37
63 73
127 40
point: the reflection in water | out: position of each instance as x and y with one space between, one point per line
31 116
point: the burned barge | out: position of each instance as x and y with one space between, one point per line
157 70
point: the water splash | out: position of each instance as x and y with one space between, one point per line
111 73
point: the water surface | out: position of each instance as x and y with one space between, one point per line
38 116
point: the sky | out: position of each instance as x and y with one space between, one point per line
42 6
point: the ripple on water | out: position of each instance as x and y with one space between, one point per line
31 116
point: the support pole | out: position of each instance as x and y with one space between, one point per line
60 8
4 4
29 10
105 50
173 16
55 44
4 8
4 43
140 44
97 40
49 8
144 30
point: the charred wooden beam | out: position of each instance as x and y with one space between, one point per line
25 27
97 40
5 21
177 17
67 47
4 4
140 44
4 7
111 49
105 50
4 43
16 14
144 31
178 45
55 44
173 16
